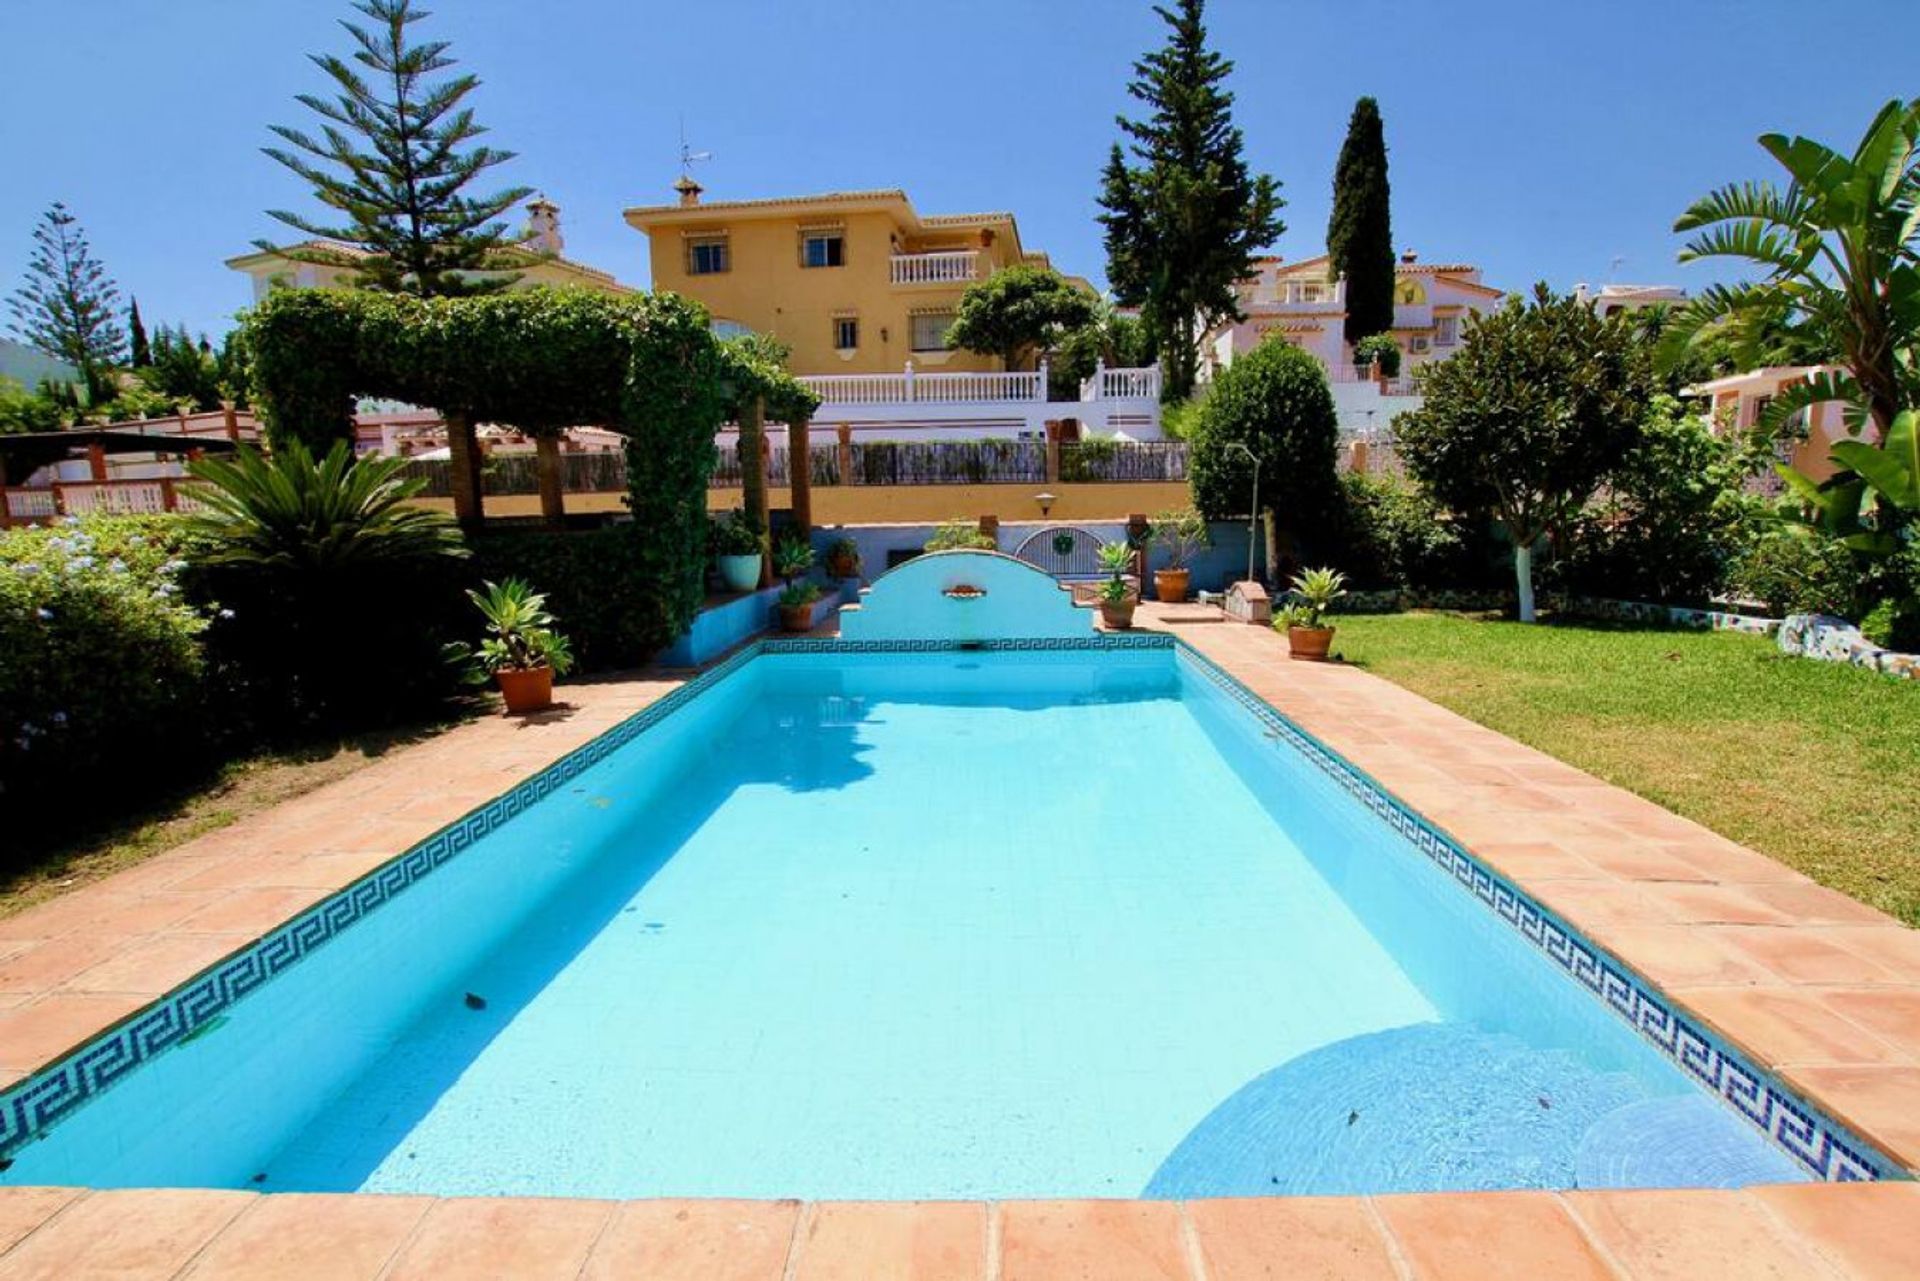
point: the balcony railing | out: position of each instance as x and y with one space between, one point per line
916 388
1122 384
957 266
142 497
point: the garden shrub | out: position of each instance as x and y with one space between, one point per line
1794 570
103 680
595 586
1389 534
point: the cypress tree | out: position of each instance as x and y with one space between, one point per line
394 161
1185 219
142 351
1360 231
66 307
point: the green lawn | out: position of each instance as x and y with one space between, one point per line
1813 763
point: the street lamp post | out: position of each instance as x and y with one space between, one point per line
1253 512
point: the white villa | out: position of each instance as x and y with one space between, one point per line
1301 304
1614 300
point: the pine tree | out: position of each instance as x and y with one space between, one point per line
66 307
142 352
1184 221
1360 231
394 162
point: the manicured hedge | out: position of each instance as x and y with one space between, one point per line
596 585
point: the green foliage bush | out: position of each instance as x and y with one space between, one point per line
102 673
1274 400
1381 350
958 534
594 584
1671 518
1793 570
1390 534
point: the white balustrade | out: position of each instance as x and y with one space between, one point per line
936 268
913 387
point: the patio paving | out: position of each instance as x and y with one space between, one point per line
1821 989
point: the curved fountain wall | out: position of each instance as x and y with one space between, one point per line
964 596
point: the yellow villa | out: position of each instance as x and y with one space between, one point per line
539 261
853 282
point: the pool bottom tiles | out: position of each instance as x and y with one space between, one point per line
924 926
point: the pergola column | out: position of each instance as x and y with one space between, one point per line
546 458
463 469
751 447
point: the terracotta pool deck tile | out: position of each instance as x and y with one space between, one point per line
150 966
1800 955
1598 907
48 963
1812 904
1720 905
1891 1013
1492 1236
667 1240
1897 947
1787 1026
1531 860
903 1241
24 1209
1723 861
1281 1238
1867 1229
294 1236
1638 861
1676 956
1091 1241
137 1234
528 1239
35 1034
1690 1235
1881 1101
252 911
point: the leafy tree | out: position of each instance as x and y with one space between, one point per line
1360 229
184 371
142 352
66 307
1540 404
1018 311
1838 250
394 164
1114 338
1275 402
22 410
1184 221
1379 349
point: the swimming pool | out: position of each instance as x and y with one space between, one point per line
914 922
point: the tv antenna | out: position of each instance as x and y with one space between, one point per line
1613 267
688 156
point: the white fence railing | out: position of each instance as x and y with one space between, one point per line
916 388
937 268
1402 385
110 497
1122 384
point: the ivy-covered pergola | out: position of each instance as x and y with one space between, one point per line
645 366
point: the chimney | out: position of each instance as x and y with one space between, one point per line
689 190
1409 257
543 226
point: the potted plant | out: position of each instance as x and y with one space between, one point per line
1117 596
792 558
1303 617
843 558
521 650
796 605
1180 534
736 545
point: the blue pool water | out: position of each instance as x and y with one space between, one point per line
923 926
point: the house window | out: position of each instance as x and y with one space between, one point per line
823 249
846 333
708 257
930 330
1445 331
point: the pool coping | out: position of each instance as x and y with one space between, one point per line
1255 663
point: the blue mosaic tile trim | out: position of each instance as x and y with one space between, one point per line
32 1107
1825 1148
1095 641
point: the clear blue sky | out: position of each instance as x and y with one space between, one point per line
1541 140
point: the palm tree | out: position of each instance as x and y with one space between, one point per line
1837 252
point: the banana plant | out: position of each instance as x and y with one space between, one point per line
1837 252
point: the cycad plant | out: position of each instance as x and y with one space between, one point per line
287 511
521 633
1836 249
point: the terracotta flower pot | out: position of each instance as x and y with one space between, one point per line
1119 617
1309 643
796 618
1170 585
841 566
526 689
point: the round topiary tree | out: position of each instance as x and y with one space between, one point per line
1272 402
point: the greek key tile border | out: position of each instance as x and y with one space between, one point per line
1094 641
1823 1147
30 1108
